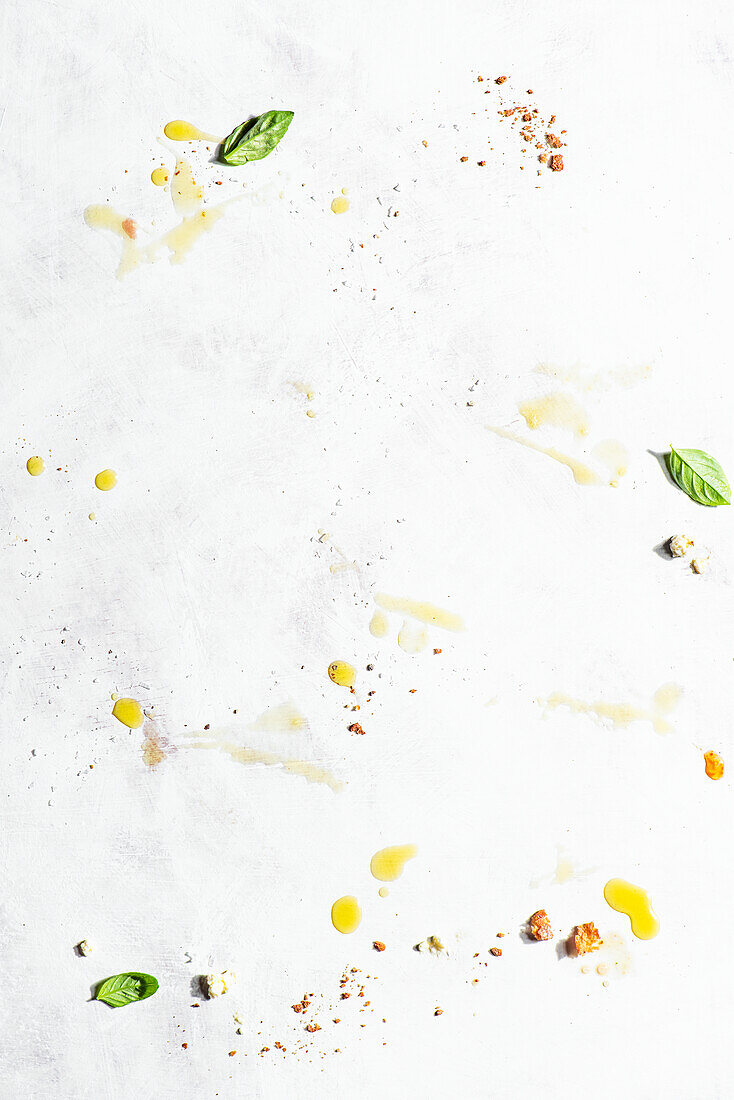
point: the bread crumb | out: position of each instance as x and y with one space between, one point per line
556 163
585 938
539 926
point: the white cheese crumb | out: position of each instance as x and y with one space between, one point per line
84 948
679 545
216 985
700 564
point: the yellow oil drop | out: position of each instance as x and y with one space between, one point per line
379 624
418 609
339 205
92 516
178 130
412 639
559 410
106 480
129 712
634 902
346 914
388 864
114 696
159 176
35 466
342 674
383 892
582 474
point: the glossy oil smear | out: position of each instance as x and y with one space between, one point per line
283 719
412 639
129 712
388 864
418 609
108 220
342 674
35 466
632 900
346 914
622 715
106 480
559 410
178 130
582 474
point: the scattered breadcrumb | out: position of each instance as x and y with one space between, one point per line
216 985
438 1011
355 728
539 926
585 938
500 79
84 947
378 946
556 163
714 764
700 563
679 545
553 141
496 951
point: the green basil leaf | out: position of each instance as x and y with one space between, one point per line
253 140
123 989
699 475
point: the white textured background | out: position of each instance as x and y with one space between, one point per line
202 588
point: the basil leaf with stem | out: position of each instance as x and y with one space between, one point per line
700 476
254 139
123 989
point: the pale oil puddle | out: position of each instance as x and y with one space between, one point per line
283 719
587 381
412 639
179 130
388 864
155 746
613 959
565 871
312 773
634 902
379 624
582 474
622 715
612 454
559 410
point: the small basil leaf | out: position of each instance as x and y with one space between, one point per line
254 139
700 476
123 989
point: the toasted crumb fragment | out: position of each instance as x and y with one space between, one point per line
553 141
355 728
500 79
496 951
313 1027
130 228
714 764
556 163
378 946
543 158
585 938
679 545
463 159
539 926
438 1011
84 948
